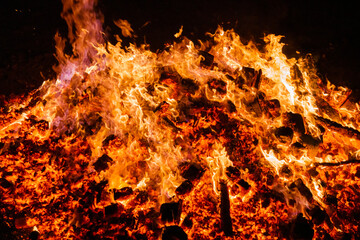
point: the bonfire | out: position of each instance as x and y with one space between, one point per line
223 139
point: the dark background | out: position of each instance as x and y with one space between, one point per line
327 29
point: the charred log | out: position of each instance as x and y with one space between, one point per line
174 233
336 164
303 189
294 121
34 235
284 134
334 126
226 222
189 85
102 163
301 228
170 212
123 193
184 188
191 171
206 59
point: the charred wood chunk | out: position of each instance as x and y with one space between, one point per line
169 75
318 215
108 139
184 188
170 212
207 58
218 85
252 77
330 200
174 233
98 189
123 193
192 171
239 81
301 228
141 198
188 222
294 121
313 172
5 183
254 106
286 171
303 189
189 85
257 81
112 210
309 140
102 163
230 106
226 222
284 134
244 184
232 172
34 235
357 174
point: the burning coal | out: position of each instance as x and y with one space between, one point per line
209 140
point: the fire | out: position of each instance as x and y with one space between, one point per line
221 139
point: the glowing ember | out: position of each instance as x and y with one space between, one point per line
216 140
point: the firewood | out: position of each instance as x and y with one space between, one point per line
207 59
174 233
102 163
170 212
123 193
294 121
284 134
184 188
34 235
191 171
189 85
301 228
336 127
336 164
226 222
303 189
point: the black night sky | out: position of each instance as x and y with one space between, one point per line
327 29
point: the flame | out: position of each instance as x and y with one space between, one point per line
126 128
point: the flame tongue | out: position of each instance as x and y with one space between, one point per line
123 130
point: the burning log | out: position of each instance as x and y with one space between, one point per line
187 223
174 233
334 126
336 164
207 59
170 212
123 193
112 209
189 85
191 171
284 134
294 121
184 188
303 189
102 163
226 222
301 228
34 235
